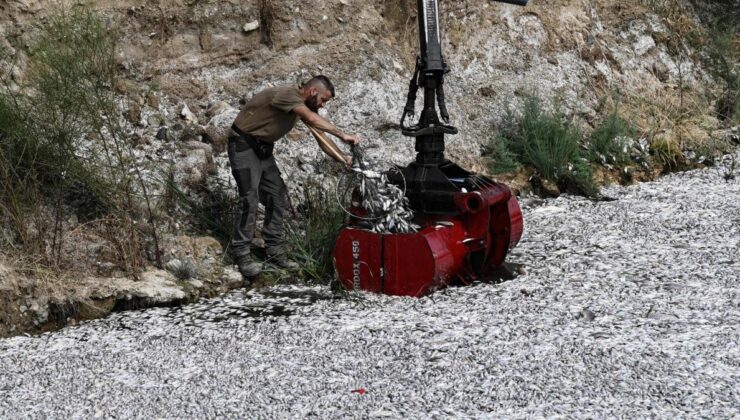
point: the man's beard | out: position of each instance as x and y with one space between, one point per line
313 103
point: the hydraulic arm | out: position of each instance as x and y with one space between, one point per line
427 180
467 222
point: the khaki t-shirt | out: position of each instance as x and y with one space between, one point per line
269 114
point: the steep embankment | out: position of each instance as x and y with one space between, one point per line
197 54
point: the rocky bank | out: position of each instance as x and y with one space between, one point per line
187 67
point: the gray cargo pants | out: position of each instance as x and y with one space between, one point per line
258 180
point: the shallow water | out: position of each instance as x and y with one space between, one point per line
628 308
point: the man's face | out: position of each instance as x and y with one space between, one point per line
319 97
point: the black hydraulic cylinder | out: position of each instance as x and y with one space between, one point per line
429 38
516 2
428 180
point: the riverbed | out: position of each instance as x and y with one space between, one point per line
626 308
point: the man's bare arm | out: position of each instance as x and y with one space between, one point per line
321 123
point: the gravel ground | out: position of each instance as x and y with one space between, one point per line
629 308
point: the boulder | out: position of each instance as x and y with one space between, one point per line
196 247
219 126
207 150
192 167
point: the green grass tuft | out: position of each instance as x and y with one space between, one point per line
609 141
314 230
498 156
548 142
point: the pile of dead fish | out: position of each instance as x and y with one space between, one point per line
387 206
624 309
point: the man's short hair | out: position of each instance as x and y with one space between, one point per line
324 81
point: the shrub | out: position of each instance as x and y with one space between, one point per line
608 143
183 270
550 143
498 156
63 150
722 57
313 232
43 162
666 152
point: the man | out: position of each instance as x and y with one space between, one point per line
267 117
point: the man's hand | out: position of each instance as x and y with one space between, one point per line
350 139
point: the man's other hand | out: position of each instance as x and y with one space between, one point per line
350 139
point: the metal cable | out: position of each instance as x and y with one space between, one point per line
387 205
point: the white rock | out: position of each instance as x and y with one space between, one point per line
188 115
643 44
251 26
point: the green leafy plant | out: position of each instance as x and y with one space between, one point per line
63 150
608 143
550 143
498 156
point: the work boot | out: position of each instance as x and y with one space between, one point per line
279 258
247 266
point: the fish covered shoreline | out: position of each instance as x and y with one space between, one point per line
626 308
